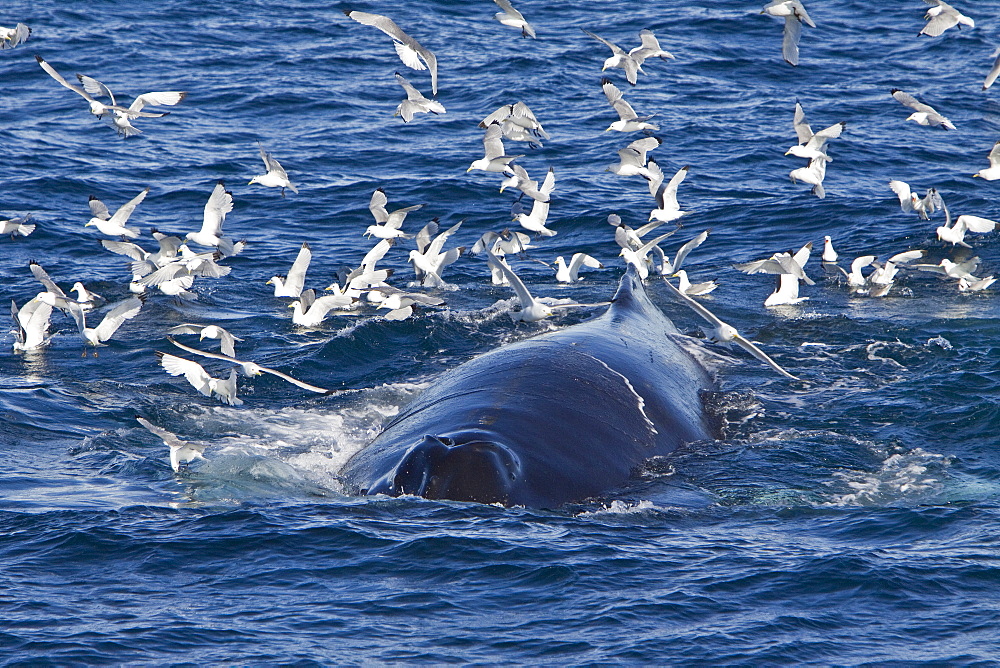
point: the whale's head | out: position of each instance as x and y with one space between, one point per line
462 466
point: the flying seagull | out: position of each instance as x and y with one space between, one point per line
409 50
275 176
923 114
253 369
513 18
726 333
795 15
181 452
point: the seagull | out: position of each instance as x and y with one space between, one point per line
693 289
86 299
227 342
795 15
400 304
11 37
408 49
518 123
17 226
532 309
619 59
188 265
668 267
507 242
627 121
667 208
991 173
829 255
638 257
97 108
570 274
942 16
726 333
291 285
113 319
779 263
649 48
121 116
387 224
535 221
114 226
855 279
965 285
415 102
223 389
923 114
252 368
525 184
310 310
812 145
909 201
219 204
181 452
814 174
32 322
955 235
994 71
59 298
494 159
513 18
952 269
787 291
144 262
632 158
428 260
275 176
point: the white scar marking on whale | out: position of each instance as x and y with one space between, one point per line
641 401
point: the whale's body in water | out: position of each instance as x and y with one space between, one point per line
553 419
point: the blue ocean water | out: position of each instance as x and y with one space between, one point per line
847 518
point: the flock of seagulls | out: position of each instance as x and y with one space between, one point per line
179 260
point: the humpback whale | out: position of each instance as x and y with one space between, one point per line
549 420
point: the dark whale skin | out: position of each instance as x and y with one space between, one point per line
557 418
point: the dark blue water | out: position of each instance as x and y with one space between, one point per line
847 518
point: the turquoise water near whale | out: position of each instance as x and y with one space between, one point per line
847 518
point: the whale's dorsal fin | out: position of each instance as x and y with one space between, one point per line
631 295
